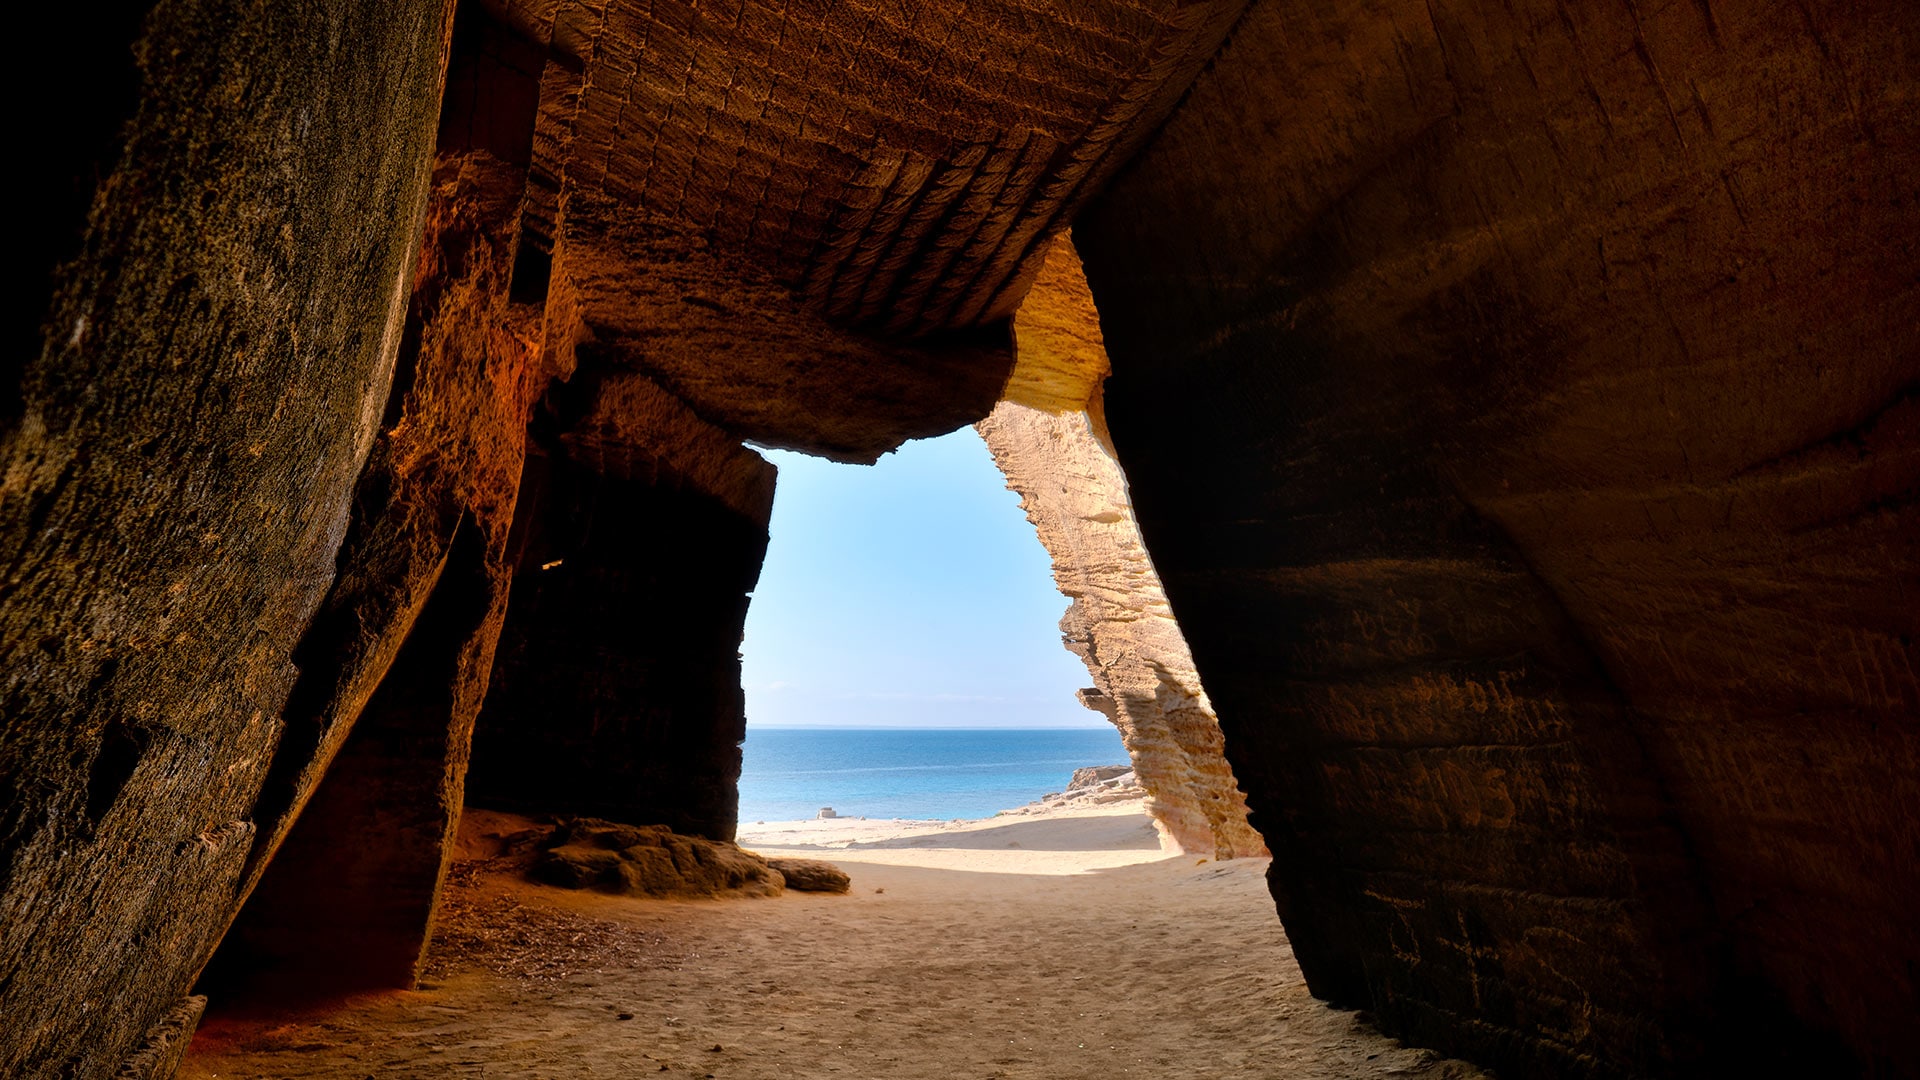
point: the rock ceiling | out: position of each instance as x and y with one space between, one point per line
901 166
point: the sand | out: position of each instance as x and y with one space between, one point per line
1055 943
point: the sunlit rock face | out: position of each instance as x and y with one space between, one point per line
1119 624
1518 404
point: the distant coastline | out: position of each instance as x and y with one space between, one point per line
930 727
791 772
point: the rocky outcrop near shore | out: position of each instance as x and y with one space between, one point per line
1099 775
1055 454
811 875
1098 785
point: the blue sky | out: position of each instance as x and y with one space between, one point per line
911 593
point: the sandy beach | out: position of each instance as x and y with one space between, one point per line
1054 942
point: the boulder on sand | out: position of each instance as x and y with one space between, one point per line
812 875
648 860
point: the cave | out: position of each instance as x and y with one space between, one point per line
1518 406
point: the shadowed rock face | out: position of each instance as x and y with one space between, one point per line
214 501
177 472
617 687
1519 407
396 662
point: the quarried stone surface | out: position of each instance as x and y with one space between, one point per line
1518 403
744 352
159 1057
395 665
901 170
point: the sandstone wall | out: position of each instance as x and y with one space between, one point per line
1049 440
1518 404
1119 624
178 457
255 568
900 170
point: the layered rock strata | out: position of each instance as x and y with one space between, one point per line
899 169
1517 400
257 532
661 301
1119 622
1519 405
1121 627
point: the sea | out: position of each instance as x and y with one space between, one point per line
927 773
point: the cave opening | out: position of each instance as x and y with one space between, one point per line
901 652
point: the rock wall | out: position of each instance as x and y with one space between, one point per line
660 299
1058 460
261 508
1120 625
396 661
616 690
1519 405
178 457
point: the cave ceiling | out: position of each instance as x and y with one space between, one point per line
811 221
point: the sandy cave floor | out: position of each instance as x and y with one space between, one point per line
1041 944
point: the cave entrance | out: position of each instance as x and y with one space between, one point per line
901 658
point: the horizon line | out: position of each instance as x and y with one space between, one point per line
933 727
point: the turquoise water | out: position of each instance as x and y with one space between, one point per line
942 773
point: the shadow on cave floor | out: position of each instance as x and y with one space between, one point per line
1169 967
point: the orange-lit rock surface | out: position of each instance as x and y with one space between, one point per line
747 353
396 662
